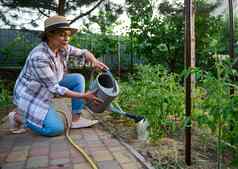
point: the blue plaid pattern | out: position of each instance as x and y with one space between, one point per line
38 81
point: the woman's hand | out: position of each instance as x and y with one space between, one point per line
99 65
96 63
90 96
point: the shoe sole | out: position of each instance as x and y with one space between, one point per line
84 126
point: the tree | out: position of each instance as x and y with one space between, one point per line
44 8
106 16
158 30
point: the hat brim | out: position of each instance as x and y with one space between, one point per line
72 31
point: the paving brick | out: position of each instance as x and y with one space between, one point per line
21 148
119 148
88 131
10 139
17 156
111 164
89 137
102 155
39 151
2 157
131 166
37 162
76 132
14 165
78 159
81 143
74 153
96 145
4 148
23 139
61 141
111 142
76 136
61 137
59 161
97 148
123 157
81 166
61 166
39 145
22 142
104 136
59 147
93 142
59 155
40 139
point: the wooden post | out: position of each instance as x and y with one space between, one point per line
231 37
231 30
119 56
189 52
132 54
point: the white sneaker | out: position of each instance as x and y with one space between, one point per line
83 123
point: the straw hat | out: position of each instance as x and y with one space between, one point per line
56 23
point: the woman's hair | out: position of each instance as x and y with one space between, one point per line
45 35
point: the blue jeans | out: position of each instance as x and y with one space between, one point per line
53 124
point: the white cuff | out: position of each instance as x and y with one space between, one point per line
57 89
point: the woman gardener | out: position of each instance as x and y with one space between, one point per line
44 76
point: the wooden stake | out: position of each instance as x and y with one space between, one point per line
231 38
189 52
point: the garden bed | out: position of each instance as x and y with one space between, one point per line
167 152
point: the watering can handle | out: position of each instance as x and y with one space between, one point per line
91 76
113 79
107 71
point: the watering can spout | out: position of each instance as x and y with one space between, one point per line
117 109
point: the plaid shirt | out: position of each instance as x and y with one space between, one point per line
39 79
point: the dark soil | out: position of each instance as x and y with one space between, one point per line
168 152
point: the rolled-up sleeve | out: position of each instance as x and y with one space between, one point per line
44 74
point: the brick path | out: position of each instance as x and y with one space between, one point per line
29 151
